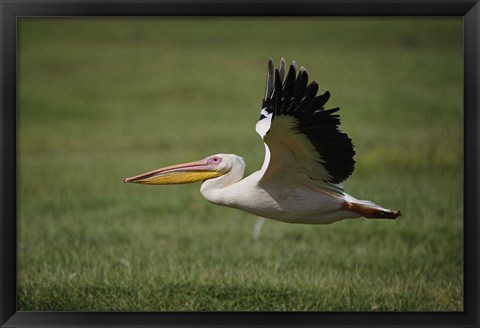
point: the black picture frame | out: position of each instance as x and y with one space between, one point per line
11 10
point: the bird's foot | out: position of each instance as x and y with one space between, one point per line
371 212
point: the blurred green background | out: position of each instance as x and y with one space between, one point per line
103 99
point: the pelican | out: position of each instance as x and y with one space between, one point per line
306 159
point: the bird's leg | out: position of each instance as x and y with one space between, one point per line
258 228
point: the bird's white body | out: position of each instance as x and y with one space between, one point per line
299 204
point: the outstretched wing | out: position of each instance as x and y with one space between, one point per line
302 139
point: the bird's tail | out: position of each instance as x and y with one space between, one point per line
371 210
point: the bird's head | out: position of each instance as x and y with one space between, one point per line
208 168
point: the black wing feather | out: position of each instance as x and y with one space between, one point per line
277 93
295 97
319 101
269 85
310 93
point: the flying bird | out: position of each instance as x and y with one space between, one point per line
307 158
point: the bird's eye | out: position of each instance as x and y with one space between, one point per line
215 160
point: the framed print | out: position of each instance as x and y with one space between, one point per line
368 178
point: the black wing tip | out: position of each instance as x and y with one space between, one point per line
282 68
286 93
283 64
269 83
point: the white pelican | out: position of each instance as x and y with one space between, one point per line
306 159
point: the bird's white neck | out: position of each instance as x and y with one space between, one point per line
216 190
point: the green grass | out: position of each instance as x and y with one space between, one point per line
103 99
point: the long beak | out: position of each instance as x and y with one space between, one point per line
176 174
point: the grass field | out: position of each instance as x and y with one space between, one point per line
103 99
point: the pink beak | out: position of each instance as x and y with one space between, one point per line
176 174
